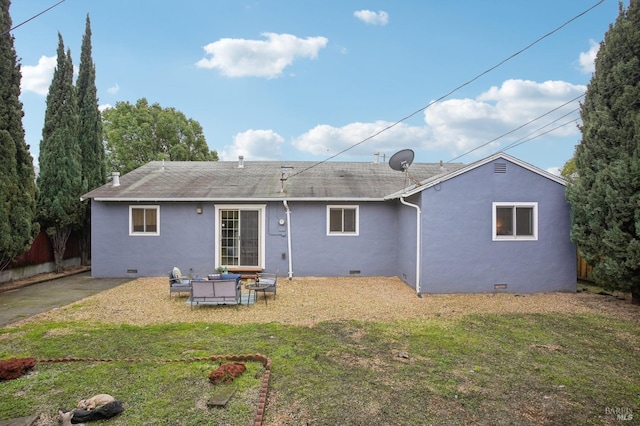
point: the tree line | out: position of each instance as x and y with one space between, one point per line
79 146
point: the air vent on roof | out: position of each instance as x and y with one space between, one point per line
499 167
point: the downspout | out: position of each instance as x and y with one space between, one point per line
288 211
418 241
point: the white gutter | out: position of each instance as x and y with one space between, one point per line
288 210
418 242
234 200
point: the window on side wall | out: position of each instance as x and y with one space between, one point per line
515 221
144 220
342 220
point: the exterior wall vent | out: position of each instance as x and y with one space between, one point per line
499 286
132 271
354 272
499 167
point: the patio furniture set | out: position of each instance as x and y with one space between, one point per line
221 289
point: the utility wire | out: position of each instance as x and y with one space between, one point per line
519 127
32 18
446 95
529 136
521 141
541 134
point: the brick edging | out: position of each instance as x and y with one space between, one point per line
266 362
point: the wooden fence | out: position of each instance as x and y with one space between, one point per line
584 269
41 251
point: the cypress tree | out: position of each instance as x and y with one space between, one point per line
605 197
60 179
89 134
18 226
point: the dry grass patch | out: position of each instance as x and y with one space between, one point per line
309 301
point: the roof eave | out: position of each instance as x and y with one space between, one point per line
237 200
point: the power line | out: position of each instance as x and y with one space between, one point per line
524 138
521 141
518 128
541 134
32 18
446 95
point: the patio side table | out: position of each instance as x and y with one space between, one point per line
256 288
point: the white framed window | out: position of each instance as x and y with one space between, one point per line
343 220
515 221
144 220
240 231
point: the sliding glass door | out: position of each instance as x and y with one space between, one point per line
241 236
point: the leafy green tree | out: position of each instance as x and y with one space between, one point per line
605 197
137 134
568 171
60 179
18 226
93 164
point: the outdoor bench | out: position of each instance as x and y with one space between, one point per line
223 291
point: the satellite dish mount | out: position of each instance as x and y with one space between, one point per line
401 161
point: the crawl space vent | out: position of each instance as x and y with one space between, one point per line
499 167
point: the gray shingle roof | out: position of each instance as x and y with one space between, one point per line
260 180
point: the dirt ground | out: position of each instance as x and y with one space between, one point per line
307 301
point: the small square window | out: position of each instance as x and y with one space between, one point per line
515 221
144 220
342 220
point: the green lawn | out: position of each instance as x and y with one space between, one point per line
486 370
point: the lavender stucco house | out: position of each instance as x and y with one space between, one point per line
495 225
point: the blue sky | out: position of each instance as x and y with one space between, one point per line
306 80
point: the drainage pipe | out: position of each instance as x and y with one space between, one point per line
418 242
288 211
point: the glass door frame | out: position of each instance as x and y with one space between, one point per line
261 209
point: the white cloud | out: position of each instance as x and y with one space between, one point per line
372 18
460 125
259 58
104 106
325 140
113 89
37 78
587 60
254 145
450 128
554 170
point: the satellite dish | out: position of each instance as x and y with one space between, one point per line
401 160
